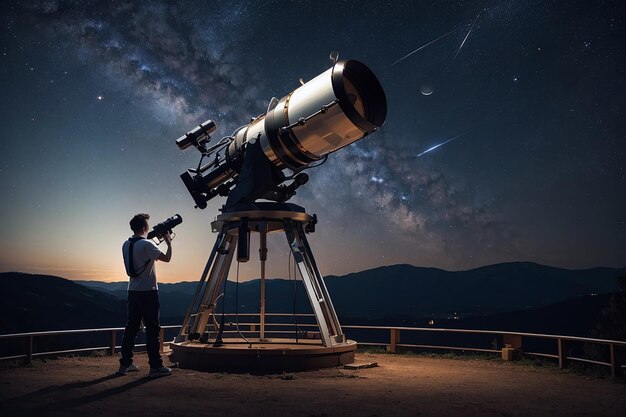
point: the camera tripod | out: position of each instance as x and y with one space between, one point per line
234 230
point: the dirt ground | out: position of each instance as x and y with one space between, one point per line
402 385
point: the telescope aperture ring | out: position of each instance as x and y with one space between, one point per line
290 144
286 145
278 144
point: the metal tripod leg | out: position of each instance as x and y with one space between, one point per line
183 333
215 285
327 321
218 265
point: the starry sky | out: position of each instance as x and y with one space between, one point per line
93 95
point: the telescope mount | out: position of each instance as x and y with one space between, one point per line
201 343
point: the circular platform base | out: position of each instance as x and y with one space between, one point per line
272 356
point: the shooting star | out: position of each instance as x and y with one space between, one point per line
466 36
424 46
441 144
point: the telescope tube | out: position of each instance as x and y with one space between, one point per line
331 111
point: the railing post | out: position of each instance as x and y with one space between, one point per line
616 366
394 339
512 347
29 350
112 344
161 336
561 348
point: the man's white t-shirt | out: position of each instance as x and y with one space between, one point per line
144 250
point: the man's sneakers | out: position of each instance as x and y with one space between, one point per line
159 372
154 372
126 369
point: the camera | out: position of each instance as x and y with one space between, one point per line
159 230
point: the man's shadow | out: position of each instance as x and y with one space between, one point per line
22 401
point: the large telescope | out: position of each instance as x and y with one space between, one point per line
264 159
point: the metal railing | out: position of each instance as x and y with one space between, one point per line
510 340
30 337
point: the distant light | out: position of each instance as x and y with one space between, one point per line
431 322
100 97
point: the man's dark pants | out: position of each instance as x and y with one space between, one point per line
142 305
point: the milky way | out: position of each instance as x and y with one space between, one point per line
166 55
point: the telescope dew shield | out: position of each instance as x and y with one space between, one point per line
331 111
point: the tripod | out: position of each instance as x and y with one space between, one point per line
234 230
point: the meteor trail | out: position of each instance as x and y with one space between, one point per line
441 144
466 36
424 46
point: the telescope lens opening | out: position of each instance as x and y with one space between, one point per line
354 98
360 95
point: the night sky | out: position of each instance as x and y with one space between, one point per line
93 95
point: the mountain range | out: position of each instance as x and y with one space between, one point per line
525 292
43 302
409 291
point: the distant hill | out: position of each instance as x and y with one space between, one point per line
575 317
40 302
502 295
174 298
410 292
414 291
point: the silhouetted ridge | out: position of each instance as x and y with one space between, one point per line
41 302
395 292
410 291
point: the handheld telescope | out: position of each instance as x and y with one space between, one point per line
159 230
264 159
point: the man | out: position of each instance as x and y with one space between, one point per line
140 255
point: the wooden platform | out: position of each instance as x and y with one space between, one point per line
271 356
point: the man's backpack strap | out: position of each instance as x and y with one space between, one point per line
130 265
